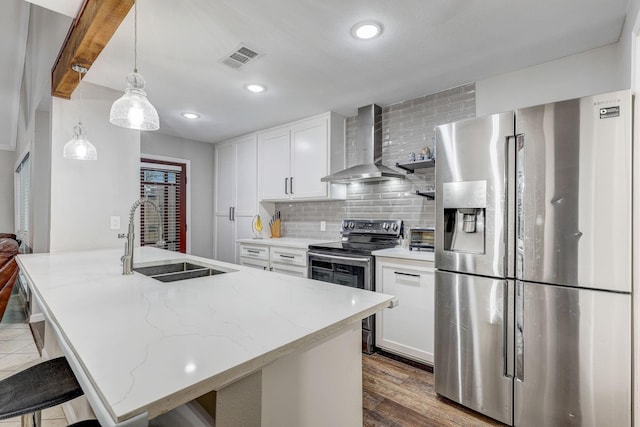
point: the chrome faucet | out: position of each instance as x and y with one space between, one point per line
127 258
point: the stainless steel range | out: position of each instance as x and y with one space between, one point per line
350 263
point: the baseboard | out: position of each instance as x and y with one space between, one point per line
404 360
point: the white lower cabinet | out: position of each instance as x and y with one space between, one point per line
285 260
288 261
408 329
254 256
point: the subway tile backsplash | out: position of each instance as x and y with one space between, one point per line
406 127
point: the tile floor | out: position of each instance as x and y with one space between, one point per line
17 352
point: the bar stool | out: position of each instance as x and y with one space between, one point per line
39 387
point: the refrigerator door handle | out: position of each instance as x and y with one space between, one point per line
519 333
519 206
509 325
510 219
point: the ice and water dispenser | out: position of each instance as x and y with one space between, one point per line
465 205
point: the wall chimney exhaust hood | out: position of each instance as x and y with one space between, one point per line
369 138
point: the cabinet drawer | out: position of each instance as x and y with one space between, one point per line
256 252
289 256
255 263
291 270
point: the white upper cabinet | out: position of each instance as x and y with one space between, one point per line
292 159
246 176
274 151
225 172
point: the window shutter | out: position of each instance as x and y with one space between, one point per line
162 185
23 192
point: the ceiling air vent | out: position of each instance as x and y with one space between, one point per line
240 57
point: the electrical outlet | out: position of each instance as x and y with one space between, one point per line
323 225
115 223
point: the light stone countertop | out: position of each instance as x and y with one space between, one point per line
287 242
405 253
148 346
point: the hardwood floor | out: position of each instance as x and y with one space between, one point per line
399 395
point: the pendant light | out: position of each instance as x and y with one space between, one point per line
133 110
79 147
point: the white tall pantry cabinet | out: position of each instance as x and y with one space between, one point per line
235 195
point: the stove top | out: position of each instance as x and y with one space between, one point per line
361 237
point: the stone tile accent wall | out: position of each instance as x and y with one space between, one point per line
406 127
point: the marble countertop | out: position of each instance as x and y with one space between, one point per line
405 253
148 346
287 242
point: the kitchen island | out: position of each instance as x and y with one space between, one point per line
278 350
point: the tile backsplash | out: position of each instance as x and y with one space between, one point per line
406 127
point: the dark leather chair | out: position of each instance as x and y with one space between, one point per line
39 387
9 248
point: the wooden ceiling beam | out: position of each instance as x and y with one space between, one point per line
90 32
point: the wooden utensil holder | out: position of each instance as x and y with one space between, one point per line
275 229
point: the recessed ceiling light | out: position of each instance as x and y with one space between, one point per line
255 88
366 30
190 115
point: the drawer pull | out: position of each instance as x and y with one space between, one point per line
253 251
287 256
406 274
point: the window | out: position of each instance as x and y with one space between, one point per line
22 203
165 184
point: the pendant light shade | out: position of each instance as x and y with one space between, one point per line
133 110
79 147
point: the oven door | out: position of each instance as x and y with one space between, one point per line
347 270
353 270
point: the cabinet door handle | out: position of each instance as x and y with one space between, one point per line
287 256
291 185
406 274
230 217
233 213
286 186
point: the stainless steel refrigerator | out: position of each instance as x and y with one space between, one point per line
533 258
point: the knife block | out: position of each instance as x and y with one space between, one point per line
275 229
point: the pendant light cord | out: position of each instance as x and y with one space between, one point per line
80 100
135 36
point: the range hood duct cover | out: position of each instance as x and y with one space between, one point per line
369 138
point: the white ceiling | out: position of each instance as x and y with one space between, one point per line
69 8
311 64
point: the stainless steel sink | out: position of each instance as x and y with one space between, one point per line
177 271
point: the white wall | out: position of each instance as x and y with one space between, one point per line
47 31
84 194
595 71
201 156
41 182
7 158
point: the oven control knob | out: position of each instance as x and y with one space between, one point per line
345 225
394 227
385 226
352 225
